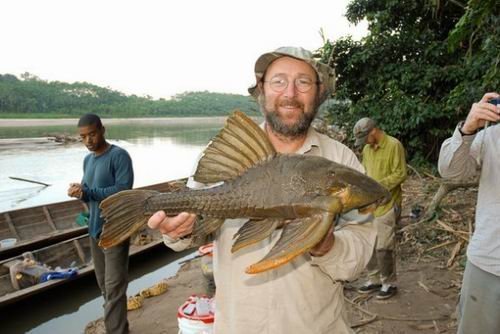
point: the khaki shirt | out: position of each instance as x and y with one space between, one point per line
302 296
465 157
387 165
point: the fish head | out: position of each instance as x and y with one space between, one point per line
355 189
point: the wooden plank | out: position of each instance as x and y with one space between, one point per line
40 241
50 246
79 250
49 218
31 181
11 226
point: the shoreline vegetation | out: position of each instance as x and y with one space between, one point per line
32 97
26 122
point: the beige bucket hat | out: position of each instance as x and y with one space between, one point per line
326 74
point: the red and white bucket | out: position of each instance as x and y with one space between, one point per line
196 315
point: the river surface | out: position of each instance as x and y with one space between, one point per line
161 150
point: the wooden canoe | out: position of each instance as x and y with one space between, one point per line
43 225
74 252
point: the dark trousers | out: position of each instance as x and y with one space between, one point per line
111 272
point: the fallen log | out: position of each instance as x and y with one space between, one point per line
445 187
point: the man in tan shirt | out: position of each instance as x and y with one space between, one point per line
306 294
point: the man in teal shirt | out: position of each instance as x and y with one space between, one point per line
384 160
107 170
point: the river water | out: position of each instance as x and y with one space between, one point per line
161 150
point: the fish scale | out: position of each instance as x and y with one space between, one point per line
217 203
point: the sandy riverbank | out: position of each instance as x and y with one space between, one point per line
18 122
158 315
413 311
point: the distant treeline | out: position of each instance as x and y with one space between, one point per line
30 96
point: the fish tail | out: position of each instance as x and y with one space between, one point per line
124 213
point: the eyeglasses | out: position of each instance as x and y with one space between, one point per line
279 84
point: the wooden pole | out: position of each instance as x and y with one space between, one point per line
26 180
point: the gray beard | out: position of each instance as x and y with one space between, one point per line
297 130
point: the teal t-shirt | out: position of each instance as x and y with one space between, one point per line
103 176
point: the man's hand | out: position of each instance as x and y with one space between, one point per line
481 112
175 227
75 190
324 245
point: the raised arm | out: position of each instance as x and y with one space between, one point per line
459 157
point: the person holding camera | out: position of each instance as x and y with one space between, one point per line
472 151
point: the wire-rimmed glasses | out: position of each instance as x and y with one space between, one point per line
280 83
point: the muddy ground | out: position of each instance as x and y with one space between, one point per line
429 265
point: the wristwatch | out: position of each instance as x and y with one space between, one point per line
460 125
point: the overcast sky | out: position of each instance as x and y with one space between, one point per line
160 48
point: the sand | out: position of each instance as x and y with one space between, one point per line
435 308
159 314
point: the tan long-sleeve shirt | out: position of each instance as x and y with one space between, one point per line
303 296
465 157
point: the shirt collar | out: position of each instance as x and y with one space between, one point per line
382 142
312 140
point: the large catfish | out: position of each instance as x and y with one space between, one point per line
303 194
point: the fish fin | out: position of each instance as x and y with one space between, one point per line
298 236
204 226
254 231
240 145
124 213
368 208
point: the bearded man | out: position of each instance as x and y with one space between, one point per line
306 294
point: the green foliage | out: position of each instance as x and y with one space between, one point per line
415 72
478 34
37 98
